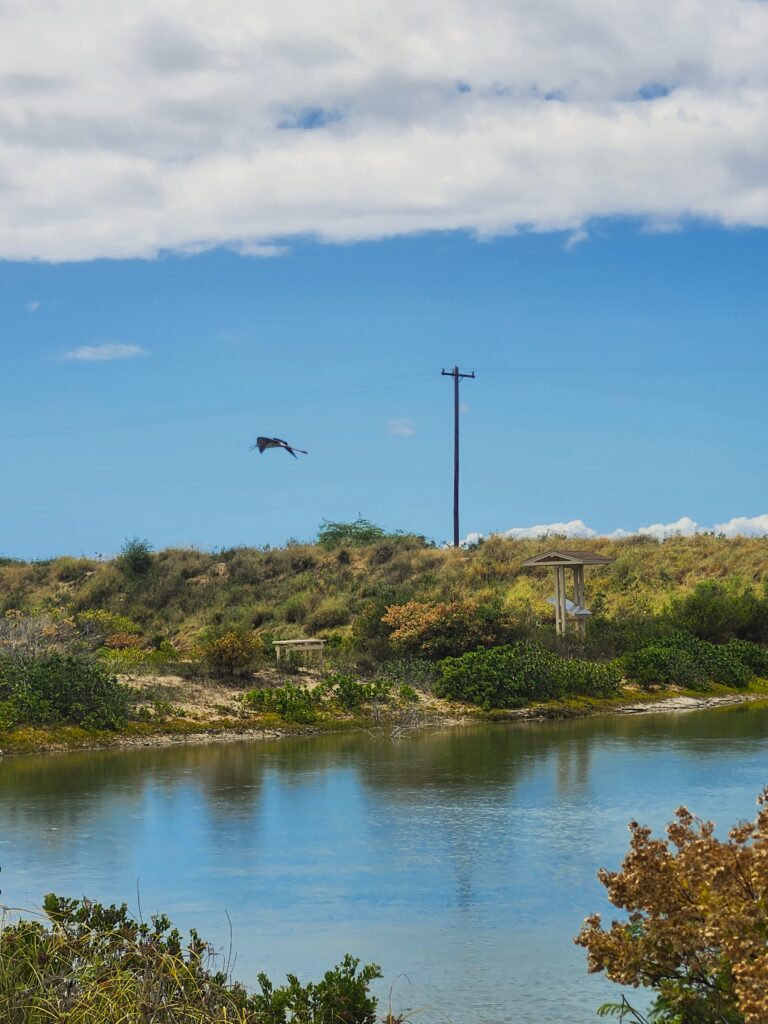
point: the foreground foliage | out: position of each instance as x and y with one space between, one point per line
697 921
91 964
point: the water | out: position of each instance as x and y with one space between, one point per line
462 862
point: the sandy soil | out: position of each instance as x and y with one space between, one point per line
202 699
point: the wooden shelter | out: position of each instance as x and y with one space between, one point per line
560 561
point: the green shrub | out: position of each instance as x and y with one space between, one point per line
96 965
512 675
724 665
716 612
414 672
351 693
72 570
58 688
335 535
663 665
370 634
135 558
753 655
295 608
332 611
407 694
293 703
688 661
590 678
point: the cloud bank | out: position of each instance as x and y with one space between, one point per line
741 526
103 353
194 125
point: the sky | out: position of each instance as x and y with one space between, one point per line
285 219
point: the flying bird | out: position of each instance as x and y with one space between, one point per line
262 443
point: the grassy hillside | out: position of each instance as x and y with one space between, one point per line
341 589
407 625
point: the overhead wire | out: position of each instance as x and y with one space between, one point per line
283 399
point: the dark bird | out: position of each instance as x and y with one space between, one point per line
262 443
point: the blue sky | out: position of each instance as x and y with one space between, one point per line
620 381
221 220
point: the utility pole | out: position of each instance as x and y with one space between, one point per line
457 376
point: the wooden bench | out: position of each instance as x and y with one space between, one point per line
300 646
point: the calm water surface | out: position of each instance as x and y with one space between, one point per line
464 860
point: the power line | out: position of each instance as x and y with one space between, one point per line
185 415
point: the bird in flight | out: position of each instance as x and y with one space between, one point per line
262 443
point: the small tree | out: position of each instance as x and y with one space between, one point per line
361 531
698 921
135 557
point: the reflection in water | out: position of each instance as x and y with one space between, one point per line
466 858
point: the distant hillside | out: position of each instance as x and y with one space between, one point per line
325 588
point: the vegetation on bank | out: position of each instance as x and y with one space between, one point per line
401 619
696 924
91 964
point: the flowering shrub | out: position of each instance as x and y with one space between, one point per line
444 628
96 624
232 655
698 920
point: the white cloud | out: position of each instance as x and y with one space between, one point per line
741 526
575 238
684 527
401 428
575 528
103 353
33 306
238 125
259 249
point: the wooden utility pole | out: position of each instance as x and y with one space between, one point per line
457 376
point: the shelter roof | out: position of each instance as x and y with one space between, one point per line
566 558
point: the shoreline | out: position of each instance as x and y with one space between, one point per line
62 739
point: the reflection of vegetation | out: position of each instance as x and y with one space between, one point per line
92 964
697 924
